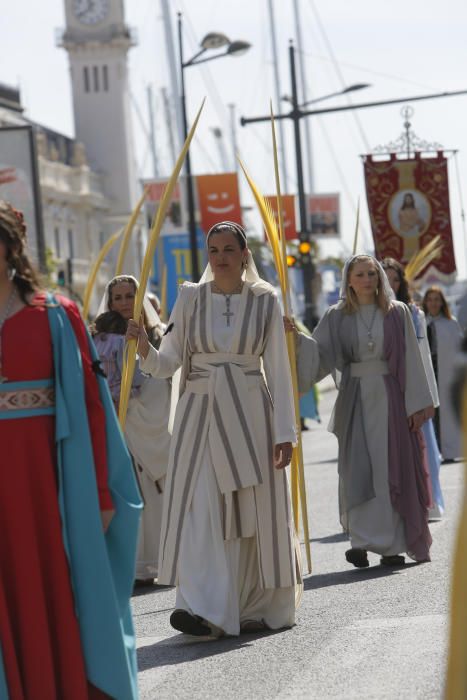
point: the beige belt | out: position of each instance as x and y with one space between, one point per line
27 399
369 368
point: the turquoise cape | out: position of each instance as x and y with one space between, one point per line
102 566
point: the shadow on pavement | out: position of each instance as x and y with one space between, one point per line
336 537
182 649
151 588
339 578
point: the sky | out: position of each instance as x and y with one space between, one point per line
402 48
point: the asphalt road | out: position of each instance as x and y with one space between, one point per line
371 633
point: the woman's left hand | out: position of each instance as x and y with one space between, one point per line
416 420
289 325
282 454
106 518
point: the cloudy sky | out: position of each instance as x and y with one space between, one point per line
403 48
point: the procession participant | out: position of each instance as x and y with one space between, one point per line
368 342
400 286
65 478
228 539
444 335
146 425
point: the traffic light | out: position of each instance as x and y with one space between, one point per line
304 248
292 261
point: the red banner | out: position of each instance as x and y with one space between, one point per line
288 214
324 214
174 219
408 201
218 199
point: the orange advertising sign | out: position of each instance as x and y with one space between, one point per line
288 214
219 199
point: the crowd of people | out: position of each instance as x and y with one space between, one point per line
194 493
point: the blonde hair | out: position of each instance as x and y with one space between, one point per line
350 302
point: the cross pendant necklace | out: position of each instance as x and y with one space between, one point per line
371 343
228 298
3 318
228 313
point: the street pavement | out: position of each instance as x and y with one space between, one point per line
368 633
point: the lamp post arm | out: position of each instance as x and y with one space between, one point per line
193 62
193 58
308 113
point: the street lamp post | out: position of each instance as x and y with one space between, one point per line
213 40
297 112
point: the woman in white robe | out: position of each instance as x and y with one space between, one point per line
146 427
445 335
228 539
367 341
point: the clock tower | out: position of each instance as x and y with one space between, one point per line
97 40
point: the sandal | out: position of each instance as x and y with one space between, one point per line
253 626
185 622
357 557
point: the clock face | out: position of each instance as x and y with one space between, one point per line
90 11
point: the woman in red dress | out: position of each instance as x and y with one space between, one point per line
40 640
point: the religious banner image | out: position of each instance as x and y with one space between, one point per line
288 214
218 199
408 201
324 213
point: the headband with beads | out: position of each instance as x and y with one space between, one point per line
229 225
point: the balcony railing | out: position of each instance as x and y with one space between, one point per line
75 181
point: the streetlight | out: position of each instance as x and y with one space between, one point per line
212 41
297 113
350 88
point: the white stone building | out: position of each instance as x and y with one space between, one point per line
88 185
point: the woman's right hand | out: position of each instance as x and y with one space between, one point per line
289 325
136 331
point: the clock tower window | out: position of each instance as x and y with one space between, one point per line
105 78
86 79
95 73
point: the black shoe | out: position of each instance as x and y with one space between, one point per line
394 560
185 622
357 557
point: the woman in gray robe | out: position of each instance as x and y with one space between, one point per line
367 341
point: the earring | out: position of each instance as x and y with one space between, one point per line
11 273
245 264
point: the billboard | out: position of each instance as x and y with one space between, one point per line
173 251
19 183
324 213
218 199
288 214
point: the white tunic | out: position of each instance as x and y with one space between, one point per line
224 589
375 525
219 575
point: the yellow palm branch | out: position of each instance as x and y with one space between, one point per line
422 258
297 467
127 233
355 236
95 269
129 359
274 232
